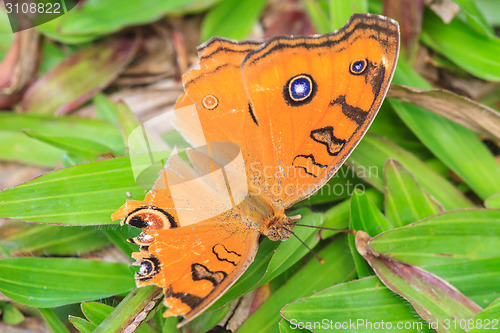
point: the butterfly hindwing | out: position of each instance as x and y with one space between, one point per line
196 264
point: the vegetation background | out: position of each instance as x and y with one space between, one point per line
73 89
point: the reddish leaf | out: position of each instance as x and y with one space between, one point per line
79 77
434 299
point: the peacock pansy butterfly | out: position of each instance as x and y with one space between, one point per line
296 107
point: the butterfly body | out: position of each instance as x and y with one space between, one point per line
294 108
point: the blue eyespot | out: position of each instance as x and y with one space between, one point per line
300 88
358 66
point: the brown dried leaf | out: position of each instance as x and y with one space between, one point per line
476 116
445 9
19 66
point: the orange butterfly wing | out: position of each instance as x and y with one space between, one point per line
293 147
322 94
292 140
193 263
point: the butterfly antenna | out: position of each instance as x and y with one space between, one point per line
321 260
348 231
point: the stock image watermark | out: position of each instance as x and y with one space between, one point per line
26 14
361 324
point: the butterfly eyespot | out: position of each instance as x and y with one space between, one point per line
358 66
142 239
150 218
210 102
299 90
149 268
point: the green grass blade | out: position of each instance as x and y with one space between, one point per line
493 201
477 20
448 237
129 308
405 200
341 10
367 217
434 300
23 238
476 278
85 194
338 268
231 19
449 40
55 324
50 282
97 18
368 160
82 325
291 251
486 319
87 149
318 16
458 147
356 304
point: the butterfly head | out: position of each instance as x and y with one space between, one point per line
280 228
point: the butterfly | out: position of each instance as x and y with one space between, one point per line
293 109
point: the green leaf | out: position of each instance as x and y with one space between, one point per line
448 237
367 217
458 147
97 312
84 194
51 56
338 267
97 18
434 300
79 77
129 308
118 235
55 324
490 8
291 251
23 238
449 40
340 186
11 315
50 282
105 108
493 201
486 319
127 120
17 147
318 16
209 319
232 19
369 157
99 131
82 325
286 327
357 305
339 215
88 149
475 16
460 109
405 200
340 11
476 278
